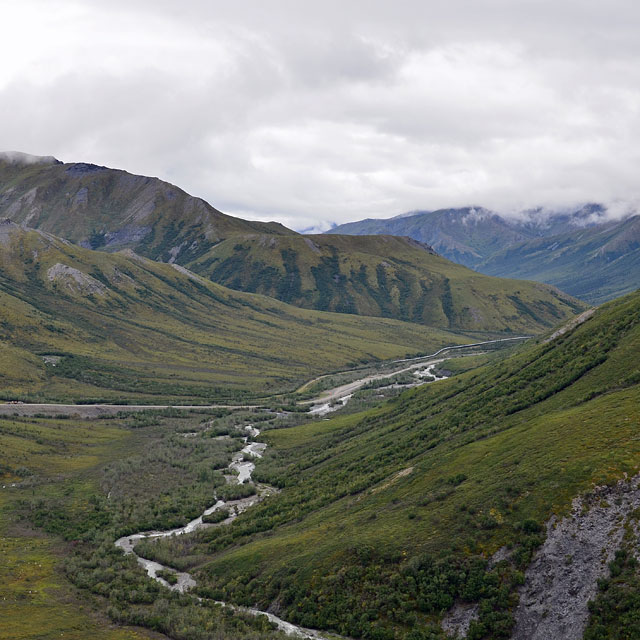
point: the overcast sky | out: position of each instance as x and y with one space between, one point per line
313 113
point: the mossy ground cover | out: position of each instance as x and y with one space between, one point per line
41 457
37 601
443 474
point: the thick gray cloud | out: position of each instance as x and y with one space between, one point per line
313 113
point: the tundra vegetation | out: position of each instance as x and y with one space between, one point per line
120 328
386 519
391 277
381 276
582 252
385 516
69 488
383 521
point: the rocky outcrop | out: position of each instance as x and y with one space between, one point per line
458 620
75 281
563 576
7 230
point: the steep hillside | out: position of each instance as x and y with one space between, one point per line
381 276
104 208
388 518
109 209
595 264
76 323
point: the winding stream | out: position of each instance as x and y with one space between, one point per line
185 581
244 469
336 398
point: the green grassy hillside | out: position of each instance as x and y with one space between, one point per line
80 324
593 261
386 518
110 209
382 276
39 457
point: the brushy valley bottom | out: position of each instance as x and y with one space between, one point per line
384 519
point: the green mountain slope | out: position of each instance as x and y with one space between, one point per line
118 325
387 518
98 207
381 276
109 209
595 264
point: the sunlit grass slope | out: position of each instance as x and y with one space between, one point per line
382 514
383 276
121 326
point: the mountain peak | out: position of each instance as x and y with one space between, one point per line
18 157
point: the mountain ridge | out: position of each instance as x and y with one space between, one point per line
560 249
102 208
383 276
109 209
118 325
595 264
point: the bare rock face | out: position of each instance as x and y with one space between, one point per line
7 230
458 620
563 576
75 281
192 276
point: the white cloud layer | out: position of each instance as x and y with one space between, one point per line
314 113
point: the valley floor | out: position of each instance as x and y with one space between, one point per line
371 524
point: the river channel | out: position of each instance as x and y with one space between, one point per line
185 581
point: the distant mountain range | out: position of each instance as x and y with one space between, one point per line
577 250
595 264
108 209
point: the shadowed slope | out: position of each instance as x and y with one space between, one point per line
595 264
